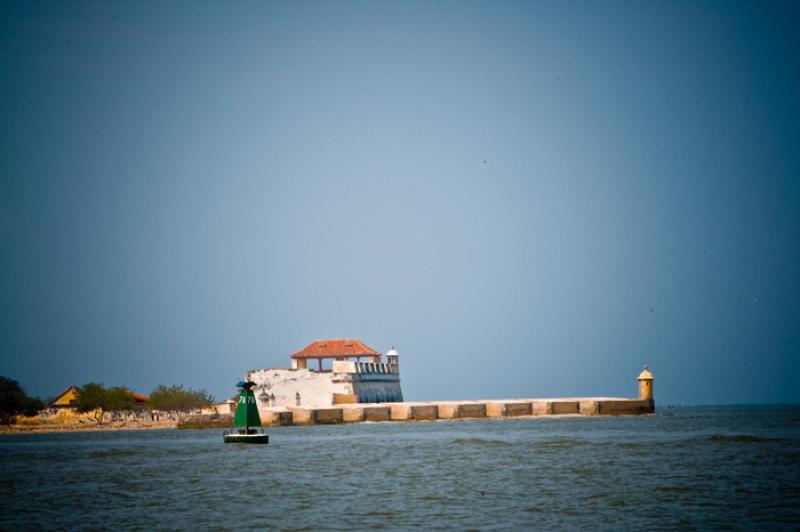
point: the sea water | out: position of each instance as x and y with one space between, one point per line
684 467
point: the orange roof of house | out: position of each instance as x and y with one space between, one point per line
340 347
139 397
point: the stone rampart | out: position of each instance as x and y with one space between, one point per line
509 408
451 410
381 390
328 415
414 411
276 417
562 408
469 409
625 408
359 412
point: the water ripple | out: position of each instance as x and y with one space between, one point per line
683 468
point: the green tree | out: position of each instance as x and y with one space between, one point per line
14 401
177 399
98 400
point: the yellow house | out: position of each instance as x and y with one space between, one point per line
64 398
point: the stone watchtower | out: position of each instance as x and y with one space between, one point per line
645 385
393 358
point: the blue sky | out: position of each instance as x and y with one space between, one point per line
526 199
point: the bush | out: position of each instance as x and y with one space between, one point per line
177 399
14 401
98 400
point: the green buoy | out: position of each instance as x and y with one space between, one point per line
246 422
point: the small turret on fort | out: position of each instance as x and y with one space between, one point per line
645 385
393 358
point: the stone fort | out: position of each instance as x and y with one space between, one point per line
343 371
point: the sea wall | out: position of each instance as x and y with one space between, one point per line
442 410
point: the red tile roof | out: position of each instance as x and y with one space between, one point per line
139 398
340 347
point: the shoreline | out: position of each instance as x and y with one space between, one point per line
106 427
25 429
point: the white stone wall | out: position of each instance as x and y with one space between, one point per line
283 385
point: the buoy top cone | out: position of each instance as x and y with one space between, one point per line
247 409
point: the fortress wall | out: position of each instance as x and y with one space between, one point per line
276 417
509 408
353 414
542 408
448 410
316 389
377 390
378 368
329 415
564 407
303 416
357 413
555 407
429 411
350 382
345 398
618 407
470 409
517 408
625 408
377 413
414 411
589 408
